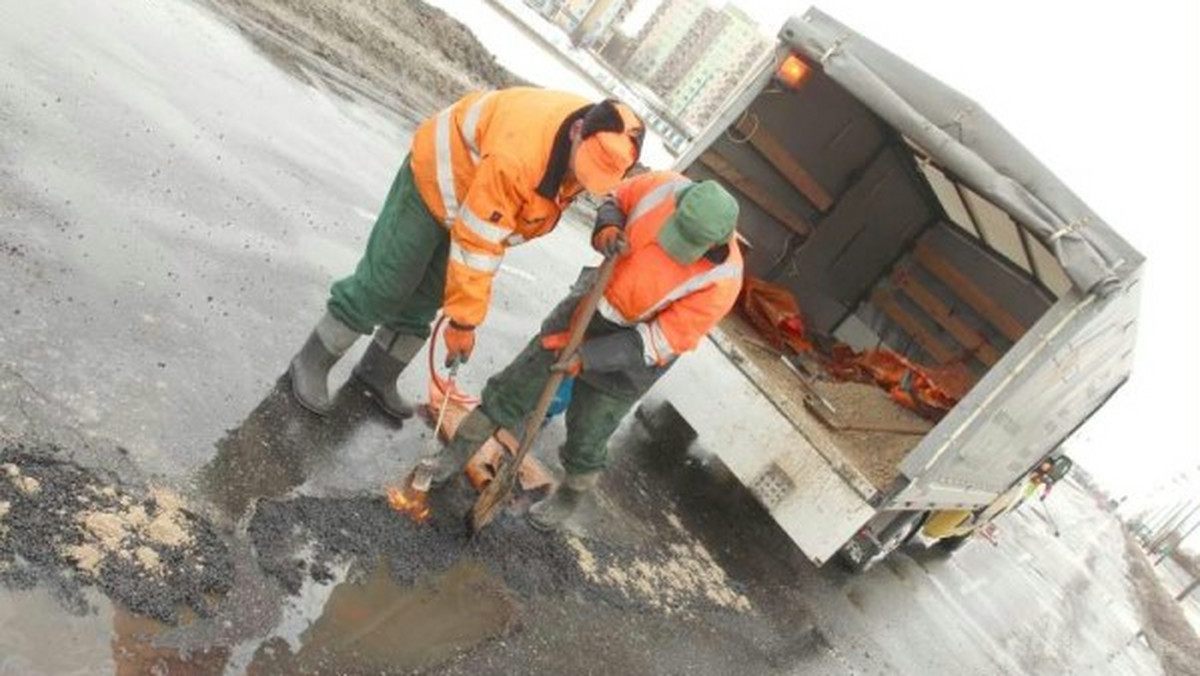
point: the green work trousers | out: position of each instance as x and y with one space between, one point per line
400 280
592 415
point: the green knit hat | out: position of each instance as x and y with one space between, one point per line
705 216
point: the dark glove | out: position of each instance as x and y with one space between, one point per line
610 240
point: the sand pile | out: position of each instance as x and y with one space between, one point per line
65 526
671 579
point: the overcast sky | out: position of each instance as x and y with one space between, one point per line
1107 95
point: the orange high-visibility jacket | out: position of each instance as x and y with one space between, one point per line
490 167
672 306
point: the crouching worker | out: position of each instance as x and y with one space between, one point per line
679 273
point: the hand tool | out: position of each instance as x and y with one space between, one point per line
497 492
422 474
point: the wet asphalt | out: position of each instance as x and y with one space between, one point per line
174 207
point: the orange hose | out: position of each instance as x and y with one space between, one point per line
442 386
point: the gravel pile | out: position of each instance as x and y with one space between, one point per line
531 563
69 527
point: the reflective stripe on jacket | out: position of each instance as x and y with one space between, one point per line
672 306
488 169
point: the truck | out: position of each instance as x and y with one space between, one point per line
902 218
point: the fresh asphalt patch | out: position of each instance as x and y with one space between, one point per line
68 527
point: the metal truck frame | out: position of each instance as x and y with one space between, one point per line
900 215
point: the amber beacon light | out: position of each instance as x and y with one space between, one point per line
792 72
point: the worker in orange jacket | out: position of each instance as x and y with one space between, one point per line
491 171
679 273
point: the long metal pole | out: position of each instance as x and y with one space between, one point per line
1188 589
1167 527
1167 552
1174 526
1169 515
1154 517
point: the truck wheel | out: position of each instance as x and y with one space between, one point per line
893 536
851 565
953 543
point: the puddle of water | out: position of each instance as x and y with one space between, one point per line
134 651
82 643
38 637
367 625
372 624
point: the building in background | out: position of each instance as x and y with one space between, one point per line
683 65
546 8
692 56
589 23
663 33
599 24
571 14
617 50
731 46
696 44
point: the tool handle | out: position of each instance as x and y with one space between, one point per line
437 429
587 310
583 317
500 486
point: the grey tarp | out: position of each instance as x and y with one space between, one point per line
967 142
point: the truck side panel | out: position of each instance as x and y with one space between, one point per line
817 508
1060 373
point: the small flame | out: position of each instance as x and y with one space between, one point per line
410 502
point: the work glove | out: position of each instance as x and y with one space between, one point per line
555 341
610 240
571 367
460 341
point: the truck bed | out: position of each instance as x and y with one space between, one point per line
866 434
896 221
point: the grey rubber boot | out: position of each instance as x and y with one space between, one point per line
309 369
382 364
549 514
472 433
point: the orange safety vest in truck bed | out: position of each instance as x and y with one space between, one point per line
672 306
490 167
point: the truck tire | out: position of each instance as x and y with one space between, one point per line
848 564
953 543
893 537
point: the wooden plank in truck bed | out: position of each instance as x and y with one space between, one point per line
885 300
868 461
755 192
785 162
972 341
966 289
